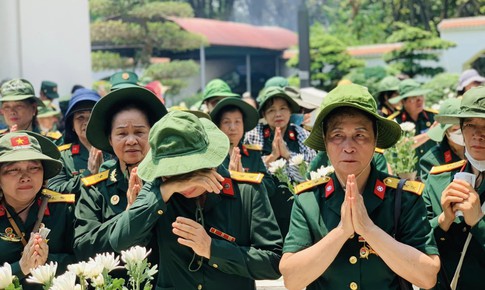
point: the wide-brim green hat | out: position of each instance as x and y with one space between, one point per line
217 88
181 143
356 96
409 88
25 146
96 131
250 114
449 106
472 105
276 92
15 98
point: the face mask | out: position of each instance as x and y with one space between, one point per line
456 137
478 164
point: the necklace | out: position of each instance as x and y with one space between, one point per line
25 208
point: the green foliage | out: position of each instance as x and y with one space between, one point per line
116 32
169 36
171 74
417 46
443 87
329 59
157 10
370 76
402 156
104 60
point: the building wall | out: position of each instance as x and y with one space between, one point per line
46 40
469 42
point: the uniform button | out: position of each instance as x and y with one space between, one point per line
464 229
442 239
215 266
353 286
160 212
353 260
351 237
199 287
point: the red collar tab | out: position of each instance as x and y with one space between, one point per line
2 210
245 150
227 187
222 234
448 157
329 188
292 135
425 115
46 212
404 117
266 132
380 189
75 149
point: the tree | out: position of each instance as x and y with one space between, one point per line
419 47
370 76
329 59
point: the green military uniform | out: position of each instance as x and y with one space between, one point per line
438 155
241 211
316 212
322 160
451 243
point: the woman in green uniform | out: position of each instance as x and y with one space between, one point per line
455 206
280 140
27 160
79 158
234 117
213 231
119 124
342 233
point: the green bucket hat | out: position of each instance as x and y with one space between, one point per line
18 90
409 88
49 89
388 84
124 91
250 114
217 88
25 145
181 143
472 106
277 92
356 96
124 79
47 111
276 82
448 107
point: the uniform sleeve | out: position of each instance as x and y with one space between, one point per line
261 259
91 232
134 226
64 182
478 232
299 234
67 256
425 166
381 162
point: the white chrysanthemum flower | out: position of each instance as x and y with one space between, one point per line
446 91
5 276
98 281
93 269
66 281
297 159
321 172
275 165
108 261
43 274
134 255
79 268
408 126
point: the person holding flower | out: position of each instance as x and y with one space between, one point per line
455 198
35 223
280 140
213 231
344 232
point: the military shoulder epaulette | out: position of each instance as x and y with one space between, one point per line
415 187
64 147
304 186
95 178
379 150
3 131
253 147
447 167
247 177
55 197
432 111
393 115
54 135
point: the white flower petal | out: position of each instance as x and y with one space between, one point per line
5 276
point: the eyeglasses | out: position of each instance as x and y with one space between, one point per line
199 217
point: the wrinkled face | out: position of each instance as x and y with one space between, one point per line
21 181
232 124
18 113
47 122
278 114
129 136
414 104
473 130
350 143
80 122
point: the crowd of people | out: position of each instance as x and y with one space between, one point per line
199 187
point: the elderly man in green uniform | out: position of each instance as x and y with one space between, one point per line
213 231
358 228
28 211
215 91
450 146
455 196
79 157
412 95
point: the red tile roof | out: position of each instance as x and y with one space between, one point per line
465 22
375 49
238 34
